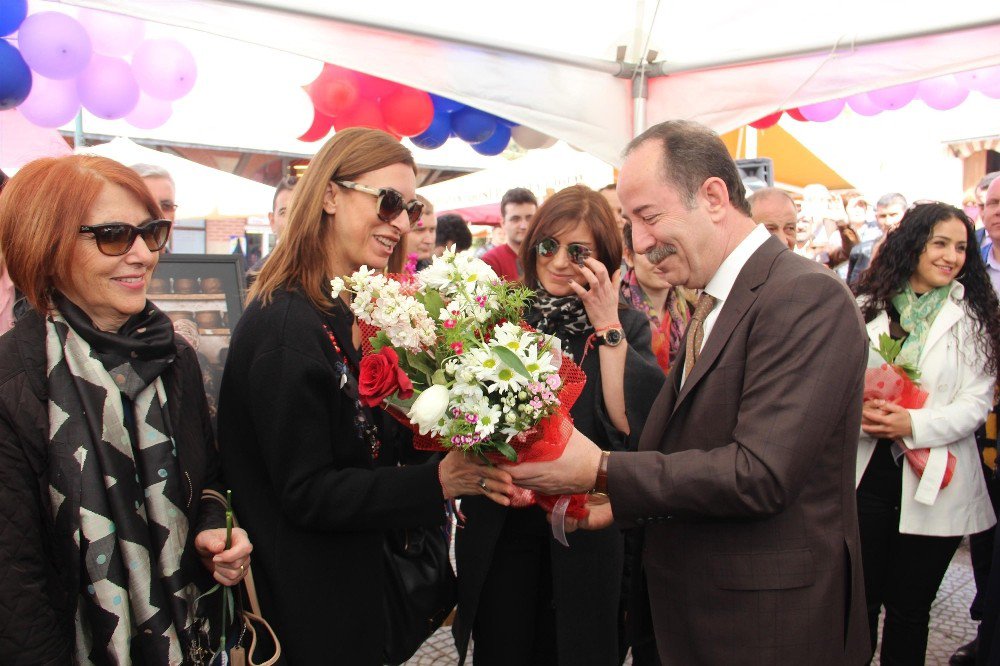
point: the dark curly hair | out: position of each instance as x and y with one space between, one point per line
897 259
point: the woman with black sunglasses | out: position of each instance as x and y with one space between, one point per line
105 438
523 597
314 474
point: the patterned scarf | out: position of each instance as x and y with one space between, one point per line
561 316
666 339
115 485
916 314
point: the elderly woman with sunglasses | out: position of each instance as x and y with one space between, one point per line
524 598
105 439
314 473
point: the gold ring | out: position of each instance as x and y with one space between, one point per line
243 570
482 484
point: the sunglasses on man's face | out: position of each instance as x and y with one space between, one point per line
116 238
390 202
577 252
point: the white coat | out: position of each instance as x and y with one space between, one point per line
952 371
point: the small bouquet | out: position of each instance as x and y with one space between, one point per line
900 384
446 353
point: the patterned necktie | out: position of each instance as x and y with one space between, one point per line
696 331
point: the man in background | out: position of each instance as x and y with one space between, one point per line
776 210
161 185
517 208
889 210
610 193
452 229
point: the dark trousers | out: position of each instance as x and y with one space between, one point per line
902 571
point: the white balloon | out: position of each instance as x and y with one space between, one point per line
530 139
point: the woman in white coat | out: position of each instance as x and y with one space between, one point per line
928 288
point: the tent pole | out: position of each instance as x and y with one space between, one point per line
640 94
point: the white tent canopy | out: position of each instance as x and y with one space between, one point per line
552 65
202 192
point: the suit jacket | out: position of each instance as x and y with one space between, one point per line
744 478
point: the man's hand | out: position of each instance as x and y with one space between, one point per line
575 471
600 516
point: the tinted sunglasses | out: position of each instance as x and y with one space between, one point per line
390 202
116 239
577 252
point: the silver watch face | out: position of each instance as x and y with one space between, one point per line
613 337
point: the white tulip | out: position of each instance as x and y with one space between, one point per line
429 407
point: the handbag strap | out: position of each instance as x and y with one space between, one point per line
251 590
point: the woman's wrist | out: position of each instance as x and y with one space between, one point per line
607 327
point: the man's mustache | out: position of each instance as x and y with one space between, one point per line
658 253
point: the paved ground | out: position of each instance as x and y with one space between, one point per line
950 623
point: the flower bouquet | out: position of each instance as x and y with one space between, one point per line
446 353
899 383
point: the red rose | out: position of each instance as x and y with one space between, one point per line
381 376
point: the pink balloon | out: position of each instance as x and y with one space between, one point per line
823 111
107 88
149 113
894 97
112 34
976 79
992 91
51 103
863 105
54 45
164 68
942 93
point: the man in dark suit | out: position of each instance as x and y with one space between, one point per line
744 478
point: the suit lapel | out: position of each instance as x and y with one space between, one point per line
734 308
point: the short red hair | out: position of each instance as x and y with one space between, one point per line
41 212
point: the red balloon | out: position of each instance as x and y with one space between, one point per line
407 111
766 121
321 125
372 87
795 113
335 90
363 114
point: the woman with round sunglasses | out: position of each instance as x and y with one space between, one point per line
928 290
314 473
667 307
524 598
105 438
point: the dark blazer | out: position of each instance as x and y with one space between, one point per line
744 479
38 589
587 575
305 486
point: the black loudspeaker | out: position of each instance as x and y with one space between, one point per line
757 173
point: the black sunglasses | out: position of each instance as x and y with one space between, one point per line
577 252
390 202
116 239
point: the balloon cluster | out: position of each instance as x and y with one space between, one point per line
941 93
344 98
101 62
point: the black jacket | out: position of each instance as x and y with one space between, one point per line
38 589
587 577
305 486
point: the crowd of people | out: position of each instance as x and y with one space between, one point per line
739 472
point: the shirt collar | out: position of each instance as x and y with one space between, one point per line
722 282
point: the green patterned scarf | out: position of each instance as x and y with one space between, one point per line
916 314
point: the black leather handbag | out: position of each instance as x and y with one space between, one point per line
419 589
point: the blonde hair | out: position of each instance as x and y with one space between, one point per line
301 259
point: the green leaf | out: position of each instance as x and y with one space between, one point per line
419 362
380 340
433 303
506 450
511 360
439 378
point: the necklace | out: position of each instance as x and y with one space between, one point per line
366 431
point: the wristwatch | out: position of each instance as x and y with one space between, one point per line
601 482
611 337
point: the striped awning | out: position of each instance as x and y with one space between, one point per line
967 147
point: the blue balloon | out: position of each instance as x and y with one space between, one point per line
436 134
12 12
446 105
496 143
472 125
15 77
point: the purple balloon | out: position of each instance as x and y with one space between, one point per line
52 103
863 105
164 68
54 45
991 90
107 88
942 93
149 113
823 111
894 97
979 79
112 34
